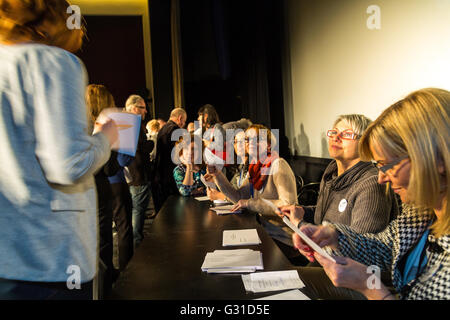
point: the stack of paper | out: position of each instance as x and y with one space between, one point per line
272 281
205 198
240 237
219 203
225 210
233 261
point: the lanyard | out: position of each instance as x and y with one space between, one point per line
416 260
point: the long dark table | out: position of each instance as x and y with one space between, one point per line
167 264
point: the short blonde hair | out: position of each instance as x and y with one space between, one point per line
42 21
132 101
153 125
417 126
358 122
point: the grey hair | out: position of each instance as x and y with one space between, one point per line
358 122
177 112
132 101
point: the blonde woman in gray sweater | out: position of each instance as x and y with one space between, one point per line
349 193
270 178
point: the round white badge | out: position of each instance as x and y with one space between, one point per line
342 205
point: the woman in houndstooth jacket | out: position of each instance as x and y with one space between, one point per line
408 143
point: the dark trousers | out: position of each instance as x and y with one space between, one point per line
27 290
121 210
104 195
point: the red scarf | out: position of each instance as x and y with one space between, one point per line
257 179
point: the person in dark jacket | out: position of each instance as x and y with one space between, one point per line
163 181
138 171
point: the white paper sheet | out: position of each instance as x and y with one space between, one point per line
308 241
288 295
240 237
128 125
233 259
221 210
272 281
205 198
213 160
221 203
208 184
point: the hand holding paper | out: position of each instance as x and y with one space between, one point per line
308 241
128 126
273 206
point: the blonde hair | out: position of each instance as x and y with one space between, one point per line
97 99
132 101
153 125
417 126
358 122
42 21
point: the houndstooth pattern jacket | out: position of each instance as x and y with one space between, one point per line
387 248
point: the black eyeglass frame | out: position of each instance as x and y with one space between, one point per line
385 168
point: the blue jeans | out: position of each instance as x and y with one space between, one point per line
140 196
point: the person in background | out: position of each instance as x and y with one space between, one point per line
162 123
138 170
349 193
163 182
113 193
153 128
187 174
99 98
242 124
241 163
408 144
47 187
191 127
212 131
270 178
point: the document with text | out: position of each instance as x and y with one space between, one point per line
240 237
272 281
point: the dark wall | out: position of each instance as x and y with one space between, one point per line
231 58
309 168
114 54
161 57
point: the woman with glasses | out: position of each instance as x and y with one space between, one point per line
349 193
409 144
241 175
269 178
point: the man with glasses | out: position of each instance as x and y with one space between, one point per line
139 169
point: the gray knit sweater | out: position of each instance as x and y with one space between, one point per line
354 199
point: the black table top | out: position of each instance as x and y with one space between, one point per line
167 264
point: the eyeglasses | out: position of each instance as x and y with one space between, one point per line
248 139
385 168
346 135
